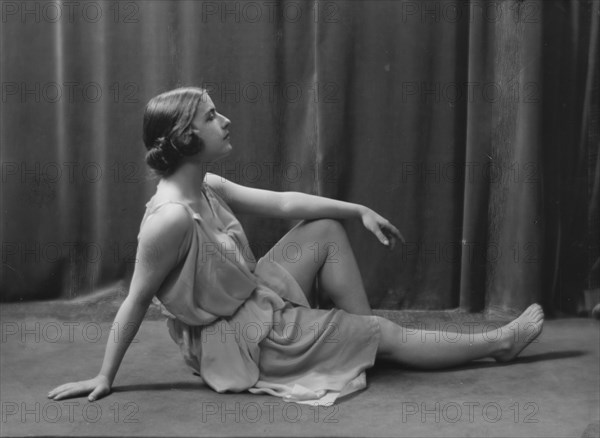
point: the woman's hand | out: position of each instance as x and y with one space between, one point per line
97 388
381 227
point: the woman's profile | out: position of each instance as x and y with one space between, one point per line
248 325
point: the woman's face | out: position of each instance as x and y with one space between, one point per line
212 128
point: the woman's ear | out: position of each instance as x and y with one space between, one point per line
190 143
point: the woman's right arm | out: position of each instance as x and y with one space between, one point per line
159 245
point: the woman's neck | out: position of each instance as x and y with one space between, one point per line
187 181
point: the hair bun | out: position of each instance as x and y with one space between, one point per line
160 143
162 155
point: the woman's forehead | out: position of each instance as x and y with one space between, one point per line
206 101
204 106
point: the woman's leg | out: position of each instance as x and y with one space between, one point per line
426 349
321 248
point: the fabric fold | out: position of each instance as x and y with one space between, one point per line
248 326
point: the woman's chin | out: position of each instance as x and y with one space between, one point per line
226 151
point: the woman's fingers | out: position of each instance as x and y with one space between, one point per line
70 392
398 234
381 237
378 231
96 388
98 393
383 229
393 234
394 231
58 389
67 390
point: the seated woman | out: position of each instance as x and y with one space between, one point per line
245 325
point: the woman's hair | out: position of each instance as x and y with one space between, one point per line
168 134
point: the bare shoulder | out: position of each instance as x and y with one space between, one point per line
222 186
168 226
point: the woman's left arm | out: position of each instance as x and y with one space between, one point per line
298 205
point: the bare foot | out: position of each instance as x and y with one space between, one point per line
521 332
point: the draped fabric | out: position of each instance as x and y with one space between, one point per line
471 125
219 290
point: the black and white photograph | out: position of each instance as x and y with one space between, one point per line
300 218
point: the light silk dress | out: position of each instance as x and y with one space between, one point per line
247 326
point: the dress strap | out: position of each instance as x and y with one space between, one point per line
155 208
162 204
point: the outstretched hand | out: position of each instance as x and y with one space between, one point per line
97 388
382 228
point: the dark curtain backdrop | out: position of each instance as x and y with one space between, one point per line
471 125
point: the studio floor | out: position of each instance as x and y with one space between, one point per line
552 390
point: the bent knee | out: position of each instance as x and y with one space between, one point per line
325 227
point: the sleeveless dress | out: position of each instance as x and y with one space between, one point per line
244 325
